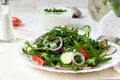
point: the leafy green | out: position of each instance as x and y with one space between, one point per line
54 10
78 59
91 61
87 30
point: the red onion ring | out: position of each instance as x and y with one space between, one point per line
79 54
111 50
61 68
61 43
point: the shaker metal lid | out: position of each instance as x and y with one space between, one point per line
4 2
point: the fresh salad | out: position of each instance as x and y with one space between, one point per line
66 49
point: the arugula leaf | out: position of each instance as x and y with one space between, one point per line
87 30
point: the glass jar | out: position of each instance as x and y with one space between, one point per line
97 10
6 28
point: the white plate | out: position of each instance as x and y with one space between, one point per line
102 66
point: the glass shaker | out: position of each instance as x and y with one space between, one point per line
6 28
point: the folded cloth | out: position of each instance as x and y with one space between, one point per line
110 25
117 67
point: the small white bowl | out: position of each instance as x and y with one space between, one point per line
50 20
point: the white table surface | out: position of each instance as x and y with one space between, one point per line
12 67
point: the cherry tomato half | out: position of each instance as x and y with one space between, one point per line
38 60
84 52
16 21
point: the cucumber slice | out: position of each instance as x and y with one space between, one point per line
66 57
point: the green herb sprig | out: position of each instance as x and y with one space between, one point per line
54 10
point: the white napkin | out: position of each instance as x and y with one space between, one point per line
110 24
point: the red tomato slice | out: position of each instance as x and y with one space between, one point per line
38 60
82 50
16 21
